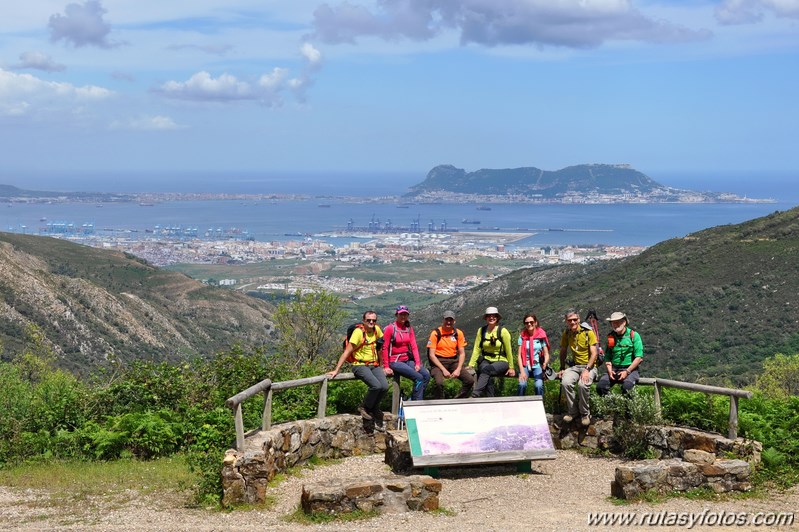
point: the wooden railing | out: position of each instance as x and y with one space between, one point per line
267 387
732 426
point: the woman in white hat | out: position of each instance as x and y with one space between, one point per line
492 355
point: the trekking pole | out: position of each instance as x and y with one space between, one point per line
401 414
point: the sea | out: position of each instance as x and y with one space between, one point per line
333 202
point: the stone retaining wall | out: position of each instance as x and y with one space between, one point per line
664 442
386 494
697 469
246 474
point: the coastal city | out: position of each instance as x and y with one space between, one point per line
312 257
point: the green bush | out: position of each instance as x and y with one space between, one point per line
631 413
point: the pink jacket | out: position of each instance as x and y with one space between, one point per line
404 343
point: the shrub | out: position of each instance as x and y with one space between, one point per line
631 414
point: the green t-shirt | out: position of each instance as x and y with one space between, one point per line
628 346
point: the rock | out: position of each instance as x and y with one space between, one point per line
695 456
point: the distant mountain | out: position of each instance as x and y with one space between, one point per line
584 178
10 193
92 305
585 183
709 307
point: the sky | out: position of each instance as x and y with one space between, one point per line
128 87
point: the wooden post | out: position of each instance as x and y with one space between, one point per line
239 422
320 410
658 407
732 429
395 396
266 424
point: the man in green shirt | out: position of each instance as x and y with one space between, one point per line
625 352
577 361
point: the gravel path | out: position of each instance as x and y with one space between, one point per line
558 495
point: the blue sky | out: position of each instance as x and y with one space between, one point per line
397 85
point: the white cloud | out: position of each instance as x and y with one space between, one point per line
37 61
569 23
732 12
266 90
202 87
147 123
24 94
81 25
310 53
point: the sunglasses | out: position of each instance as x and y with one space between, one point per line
573 319
370 321
529 323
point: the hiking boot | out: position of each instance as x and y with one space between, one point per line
586 421
463 394
377 415
364 413
380 426
568 418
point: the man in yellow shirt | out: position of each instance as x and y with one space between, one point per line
578 367
363 351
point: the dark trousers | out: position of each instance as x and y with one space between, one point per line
486 371
450 364
605 382
375 379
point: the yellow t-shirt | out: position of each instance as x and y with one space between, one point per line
367 354
578 345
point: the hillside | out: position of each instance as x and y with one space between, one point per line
709 307
91 304
530 181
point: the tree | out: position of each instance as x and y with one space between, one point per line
780 377
308 328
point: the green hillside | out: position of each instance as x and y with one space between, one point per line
94 305
709 307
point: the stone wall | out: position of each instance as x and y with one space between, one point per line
664 442
385 494
698 469
246 474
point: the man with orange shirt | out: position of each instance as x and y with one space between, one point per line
447 354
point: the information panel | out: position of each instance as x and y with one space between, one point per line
478 430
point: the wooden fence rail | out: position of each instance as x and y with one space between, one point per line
732 426
267 387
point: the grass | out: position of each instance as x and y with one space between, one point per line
301 518
67 483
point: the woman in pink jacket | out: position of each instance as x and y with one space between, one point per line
401 354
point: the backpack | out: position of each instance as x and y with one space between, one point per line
393 334
439 334
350 330
483 333
612 338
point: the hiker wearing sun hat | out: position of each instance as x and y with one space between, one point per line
625 353
401 354
492 355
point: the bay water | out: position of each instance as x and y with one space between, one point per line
283 219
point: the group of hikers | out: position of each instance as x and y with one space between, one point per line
376 353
